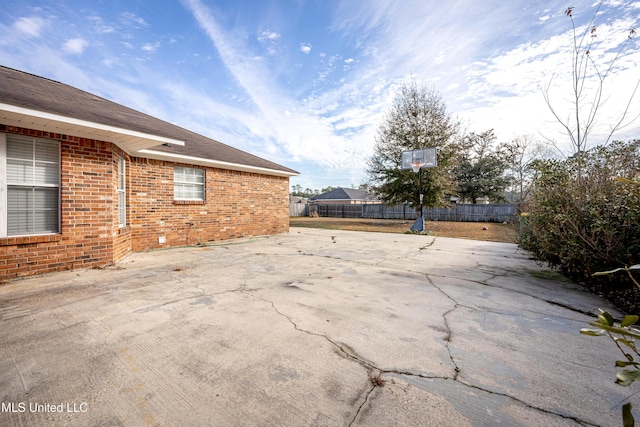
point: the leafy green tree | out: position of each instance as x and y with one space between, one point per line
481 170
624 335
417 119
585 211
296 190
584 217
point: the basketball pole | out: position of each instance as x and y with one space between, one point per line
418 225
420 197
420 190
416 160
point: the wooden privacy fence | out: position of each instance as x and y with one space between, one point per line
457 212
298 209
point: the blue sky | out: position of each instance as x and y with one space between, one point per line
306 83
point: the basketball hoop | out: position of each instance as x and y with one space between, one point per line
416 160
419 159
416 165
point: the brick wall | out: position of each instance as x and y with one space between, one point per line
86 209
237 204
121 235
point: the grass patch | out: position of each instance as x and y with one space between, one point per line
487 231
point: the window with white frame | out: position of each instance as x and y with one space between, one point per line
188 183
122 192
30 172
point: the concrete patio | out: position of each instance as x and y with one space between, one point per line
311 328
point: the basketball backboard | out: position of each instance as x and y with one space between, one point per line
418 159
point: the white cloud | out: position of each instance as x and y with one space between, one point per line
284 127
131 19
108 62
268 39
268 35
305 48
151 47
100 26
74 46
307 112
31 26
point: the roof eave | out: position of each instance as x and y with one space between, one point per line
181 158
129 140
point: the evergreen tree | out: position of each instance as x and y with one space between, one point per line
417 119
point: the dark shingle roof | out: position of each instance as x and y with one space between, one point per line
343 194
41 94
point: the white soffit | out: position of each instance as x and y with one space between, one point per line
129 140
181 158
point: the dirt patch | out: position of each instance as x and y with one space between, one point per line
488 231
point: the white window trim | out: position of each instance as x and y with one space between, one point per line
122 163
203 185
3 185
4 190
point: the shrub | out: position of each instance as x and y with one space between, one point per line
584 217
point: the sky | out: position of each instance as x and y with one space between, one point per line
307 83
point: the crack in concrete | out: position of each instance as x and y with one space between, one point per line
428 245
446 324
349 355
202 293
517 291
353 356
458 371
366 398
358 359
382 371
527 405
345 352
483 283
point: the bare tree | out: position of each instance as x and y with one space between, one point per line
520 154
586 100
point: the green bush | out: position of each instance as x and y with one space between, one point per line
584 217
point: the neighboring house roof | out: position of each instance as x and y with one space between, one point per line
344 194
34 102
297 199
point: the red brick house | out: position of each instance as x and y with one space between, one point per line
85 181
